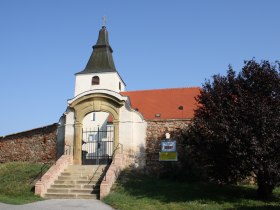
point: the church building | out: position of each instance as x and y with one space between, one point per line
99 120
103 118
104 129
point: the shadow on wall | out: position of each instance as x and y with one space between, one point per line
60 137
184 168
139 158
135 159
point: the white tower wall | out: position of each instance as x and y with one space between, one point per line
108 81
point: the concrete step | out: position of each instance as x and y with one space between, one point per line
74 178
59 196
70 196
72 191
85 167
75 182
75 186
80 174
61 191
92 196
84 191
73 171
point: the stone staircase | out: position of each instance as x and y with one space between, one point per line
77 181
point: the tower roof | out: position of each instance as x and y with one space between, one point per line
101 59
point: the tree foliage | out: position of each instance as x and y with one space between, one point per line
236 129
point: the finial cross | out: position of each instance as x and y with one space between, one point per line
104 21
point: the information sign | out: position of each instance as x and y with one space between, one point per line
168 146
168 156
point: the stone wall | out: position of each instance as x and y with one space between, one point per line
156 131
37 145
47 180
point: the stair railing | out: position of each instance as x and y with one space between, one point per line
43 169
119 146
94 174
46 164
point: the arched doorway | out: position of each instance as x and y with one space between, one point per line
84 107
97 138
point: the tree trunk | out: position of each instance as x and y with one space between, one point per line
264 188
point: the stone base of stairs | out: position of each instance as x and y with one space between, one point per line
77 182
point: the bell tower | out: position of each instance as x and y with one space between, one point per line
98 100
100 72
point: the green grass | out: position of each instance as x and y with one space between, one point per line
134 191
16 185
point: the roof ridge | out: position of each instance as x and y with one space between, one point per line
193 87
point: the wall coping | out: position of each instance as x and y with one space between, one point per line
169 120
22 133
112 174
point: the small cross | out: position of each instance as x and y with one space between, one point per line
104 21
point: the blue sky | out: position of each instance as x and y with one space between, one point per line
157 44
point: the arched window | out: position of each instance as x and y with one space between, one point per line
95 80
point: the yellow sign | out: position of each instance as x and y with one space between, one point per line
168 156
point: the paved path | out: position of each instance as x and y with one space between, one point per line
60 204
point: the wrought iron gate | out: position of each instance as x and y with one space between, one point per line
97 145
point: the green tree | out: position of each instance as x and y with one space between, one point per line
236 129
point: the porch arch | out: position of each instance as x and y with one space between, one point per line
94 102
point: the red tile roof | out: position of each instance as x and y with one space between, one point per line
176 103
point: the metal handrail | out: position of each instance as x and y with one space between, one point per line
113 157
40 174
68 150
94 174
45 165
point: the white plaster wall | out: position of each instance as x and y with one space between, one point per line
100 120
109 81
69 131
90 127
132 128
139 143
139 132
100 91
60 136
133 134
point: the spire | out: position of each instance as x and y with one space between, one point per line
101 59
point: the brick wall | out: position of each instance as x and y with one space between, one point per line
37 145
156 131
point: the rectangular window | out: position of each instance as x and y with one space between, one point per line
90 137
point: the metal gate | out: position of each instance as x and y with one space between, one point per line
97 145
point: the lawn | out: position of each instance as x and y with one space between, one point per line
17 182
141 192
